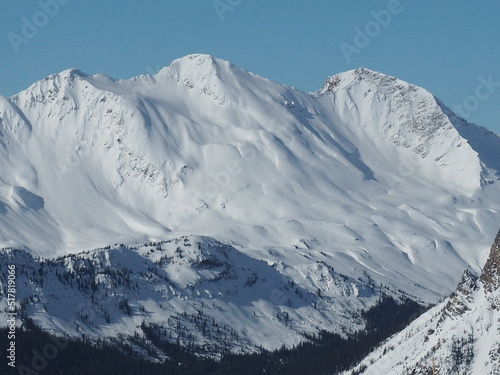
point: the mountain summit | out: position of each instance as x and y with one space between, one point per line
410 118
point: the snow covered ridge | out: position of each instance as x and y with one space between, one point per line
371 177
461 335
199 291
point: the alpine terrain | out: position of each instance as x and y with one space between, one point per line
230 213
458 336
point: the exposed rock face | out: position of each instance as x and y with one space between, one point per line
491 271
462 297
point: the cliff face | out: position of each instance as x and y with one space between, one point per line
491 271
460 300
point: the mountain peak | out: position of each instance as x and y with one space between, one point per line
68 75
408 116
200 64
220 80
72 73
345 79
491 271
52 84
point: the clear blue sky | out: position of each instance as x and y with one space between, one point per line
450 47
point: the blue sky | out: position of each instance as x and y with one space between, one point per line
450 47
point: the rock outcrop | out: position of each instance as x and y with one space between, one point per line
491 271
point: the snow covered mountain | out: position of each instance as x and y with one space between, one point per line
461 335
200 292
370 181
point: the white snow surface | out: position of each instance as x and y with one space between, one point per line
370 175
431 338
197 289
458 336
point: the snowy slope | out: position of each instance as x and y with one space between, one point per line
370 176
197 289
461 335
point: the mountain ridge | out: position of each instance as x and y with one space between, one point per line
372 179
